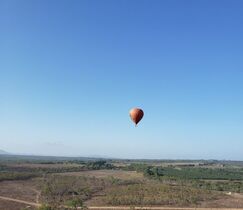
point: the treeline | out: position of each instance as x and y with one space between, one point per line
97 165
191 173
42 170
139 167
5 176
16 172
216 179
67 167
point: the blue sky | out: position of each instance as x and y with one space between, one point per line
70 71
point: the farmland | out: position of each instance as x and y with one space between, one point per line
66 183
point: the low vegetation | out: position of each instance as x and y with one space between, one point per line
57 190
4 176
213 179
29 170
153 193
76 183
192 173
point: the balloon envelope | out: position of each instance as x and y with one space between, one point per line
136 115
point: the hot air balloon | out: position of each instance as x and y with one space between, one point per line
136 115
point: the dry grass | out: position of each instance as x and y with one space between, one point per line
45 166
23 190
154 193
229 201
117 174
133 188
8 205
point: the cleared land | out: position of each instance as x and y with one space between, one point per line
23 190
10 205
117 174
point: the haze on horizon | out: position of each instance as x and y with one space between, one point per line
70 71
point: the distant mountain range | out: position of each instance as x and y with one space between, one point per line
2 152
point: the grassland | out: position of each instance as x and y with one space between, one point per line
67 183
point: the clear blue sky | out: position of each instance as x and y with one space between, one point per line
71 70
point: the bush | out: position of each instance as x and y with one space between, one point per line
45 207
75 203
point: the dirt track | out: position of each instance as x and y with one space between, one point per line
155 208
120 207
20 201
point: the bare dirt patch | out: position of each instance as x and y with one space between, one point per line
234 200
9 205
23 190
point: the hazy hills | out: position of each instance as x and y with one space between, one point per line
2 152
